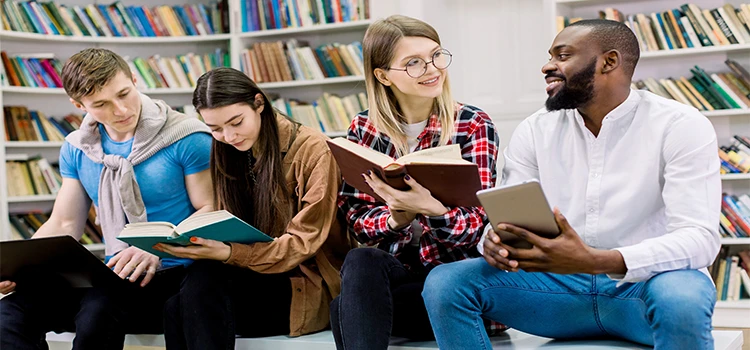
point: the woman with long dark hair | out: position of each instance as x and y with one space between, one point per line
280 177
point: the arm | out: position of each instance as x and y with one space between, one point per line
520 165
200 191
462 226
308 229
365 217
692 198
69 213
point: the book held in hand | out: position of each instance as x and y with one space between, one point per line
450 179
218 225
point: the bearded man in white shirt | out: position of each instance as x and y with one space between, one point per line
637 177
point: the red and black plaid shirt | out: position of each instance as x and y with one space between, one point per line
445 238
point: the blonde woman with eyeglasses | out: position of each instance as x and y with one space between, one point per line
411 108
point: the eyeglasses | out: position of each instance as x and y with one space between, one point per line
417 67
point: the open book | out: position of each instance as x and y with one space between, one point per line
218 225
451 179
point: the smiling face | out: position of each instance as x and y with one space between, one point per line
236 124
117 106
571 71
408 52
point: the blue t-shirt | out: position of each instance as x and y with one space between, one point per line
161 178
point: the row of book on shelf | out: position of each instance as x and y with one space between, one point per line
730 274
31 176
22 124
23 226
279 14
115 20
181 71
735 157
704 91
329 113
296 60
688 26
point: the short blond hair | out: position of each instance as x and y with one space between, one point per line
88 71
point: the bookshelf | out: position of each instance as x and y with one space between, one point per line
54 101
676 63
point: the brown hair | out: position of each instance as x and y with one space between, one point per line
88 71
259 196
379 48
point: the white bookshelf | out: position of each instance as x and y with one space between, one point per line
320 28
732 314
54 102
676 63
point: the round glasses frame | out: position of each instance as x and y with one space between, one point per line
443 52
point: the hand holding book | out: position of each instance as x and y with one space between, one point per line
201 248
442 171
218 226
416 199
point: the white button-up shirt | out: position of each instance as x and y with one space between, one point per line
648 185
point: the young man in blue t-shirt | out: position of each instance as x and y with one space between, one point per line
137 160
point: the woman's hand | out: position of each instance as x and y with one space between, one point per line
416 200
201 249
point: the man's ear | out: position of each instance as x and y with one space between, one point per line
382 77
612 60
259 103
78 105
134 79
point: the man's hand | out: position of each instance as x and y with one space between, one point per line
7 287
201 249
564 254
417 199
132 262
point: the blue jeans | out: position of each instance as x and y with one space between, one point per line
669 311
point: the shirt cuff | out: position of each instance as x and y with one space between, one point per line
438 221
402 232
637 260
480 245
241 255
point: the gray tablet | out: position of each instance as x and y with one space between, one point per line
523 205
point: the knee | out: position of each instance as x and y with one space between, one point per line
202 278
363 262
448 283
695 289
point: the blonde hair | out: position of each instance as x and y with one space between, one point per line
378 48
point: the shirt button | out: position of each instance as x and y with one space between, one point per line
591 210
595 175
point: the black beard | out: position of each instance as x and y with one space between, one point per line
576 91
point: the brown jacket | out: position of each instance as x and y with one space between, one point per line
316 241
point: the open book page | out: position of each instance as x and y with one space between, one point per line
449 154
156 228
202 219
364 152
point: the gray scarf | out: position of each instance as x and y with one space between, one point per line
119 195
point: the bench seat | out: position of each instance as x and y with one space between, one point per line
512 339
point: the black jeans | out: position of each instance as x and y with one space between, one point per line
100 317
218 301
380 296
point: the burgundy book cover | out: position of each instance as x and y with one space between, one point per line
454 185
